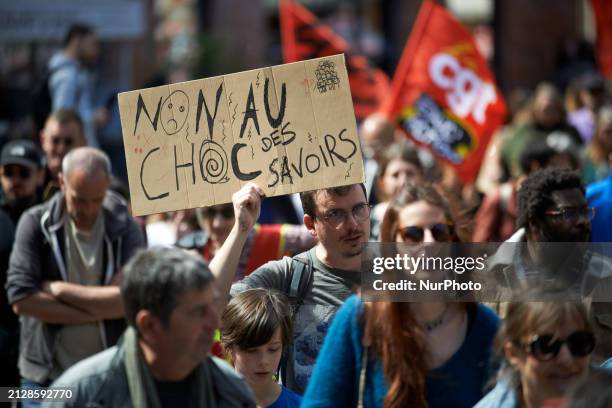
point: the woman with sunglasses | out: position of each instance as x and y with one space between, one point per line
546 349
393 354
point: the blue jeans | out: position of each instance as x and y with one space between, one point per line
31 385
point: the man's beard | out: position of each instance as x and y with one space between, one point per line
21 204
581 235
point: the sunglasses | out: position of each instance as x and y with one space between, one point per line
225 212
17 171
440 232
545 347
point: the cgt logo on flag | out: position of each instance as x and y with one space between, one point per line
465 93
444 130
443 94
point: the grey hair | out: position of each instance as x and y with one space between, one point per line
88 159
155 279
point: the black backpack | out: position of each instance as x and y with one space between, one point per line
41 96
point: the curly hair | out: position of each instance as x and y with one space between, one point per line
534 195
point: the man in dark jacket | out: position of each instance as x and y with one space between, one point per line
172 308
22 172
65 269
9 377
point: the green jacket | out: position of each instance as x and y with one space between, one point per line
101 381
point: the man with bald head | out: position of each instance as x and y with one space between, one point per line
376 133
65 269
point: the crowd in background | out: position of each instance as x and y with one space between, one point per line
83 306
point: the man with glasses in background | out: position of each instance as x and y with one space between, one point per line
551 250
317 281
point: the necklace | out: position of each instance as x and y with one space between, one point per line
433 324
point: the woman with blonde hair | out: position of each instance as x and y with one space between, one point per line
392 354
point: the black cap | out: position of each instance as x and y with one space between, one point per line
22 152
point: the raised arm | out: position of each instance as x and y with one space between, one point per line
247 206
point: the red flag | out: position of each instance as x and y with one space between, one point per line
603 20
304 37
443 94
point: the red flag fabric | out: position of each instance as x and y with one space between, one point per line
304 37
443 94
603 20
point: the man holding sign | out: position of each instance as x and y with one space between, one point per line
272 131
317 281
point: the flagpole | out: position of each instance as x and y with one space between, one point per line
406 59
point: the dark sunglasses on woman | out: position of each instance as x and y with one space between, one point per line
226 211
545 347
440 232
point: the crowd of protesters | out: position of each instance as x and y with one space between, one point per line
272 285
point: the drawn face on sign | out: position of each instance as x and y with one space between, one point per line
174 111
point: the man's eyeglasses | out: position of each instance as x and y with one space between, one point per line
545 347
570 214
336 217
16 171
440 232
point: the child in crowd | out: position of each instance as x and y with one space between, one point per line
256 330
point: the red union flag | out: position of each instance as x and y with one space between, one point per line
305 37
603 21
443 94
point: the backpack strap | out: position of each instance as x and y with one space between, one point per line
299 277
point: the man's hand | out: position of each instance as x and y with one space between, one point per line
247 206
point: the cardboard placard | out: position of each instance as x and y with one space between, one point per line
288 128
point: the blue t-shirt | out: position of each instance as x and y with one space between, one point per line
599 195
286 399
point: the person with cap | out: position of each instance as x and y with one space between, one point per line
22 173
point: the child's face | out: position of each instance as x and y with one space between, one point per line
259 364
